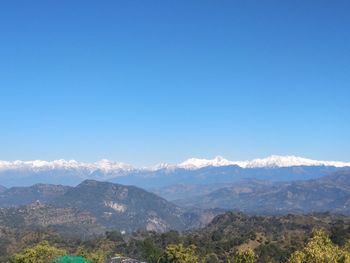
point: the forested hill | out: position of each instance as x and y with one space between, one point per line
271 239
115 206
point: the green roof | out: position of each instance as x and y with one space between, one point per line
70 259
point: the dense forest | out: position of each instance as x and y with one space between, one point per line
231 237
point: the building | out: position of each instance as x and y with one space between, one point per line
120 259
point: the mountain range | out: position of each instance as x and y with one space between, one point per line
111 206
110 195
105 205
108 166
330 193
192 171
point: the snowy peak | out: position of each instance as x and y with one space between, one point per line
110 166
113 167
289 161
269 162
195 163
160 166
39 165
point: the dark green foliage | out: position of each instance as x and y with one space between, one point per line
150 251
339 233
40 253
273 239
178 253
271 253
115 236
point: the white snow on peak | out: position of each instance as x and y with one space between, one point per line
113 167
270 162
110 166
39 165
160 166
195 163
288 161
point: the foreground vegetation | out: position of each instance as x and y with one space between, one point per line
319 249
232 237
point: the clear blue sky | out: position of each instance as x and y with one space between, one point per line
149 81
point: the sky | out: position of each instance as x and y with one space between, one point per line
161 81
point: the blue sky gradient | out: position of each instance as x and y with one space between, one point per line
149 81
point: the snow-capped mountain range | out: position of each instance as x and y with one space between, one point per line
107 166
270 162
192 171
39 165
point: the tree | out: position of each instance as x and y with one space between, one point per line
244 256
114 236
211 258
97 256
179 254
41 253
320 249
150 251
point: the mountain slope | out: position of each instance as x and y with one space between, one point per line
67 221
129 208
2 188
16 196
330 193
126 208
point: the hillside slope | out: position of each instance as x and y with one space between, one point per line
329 193
126 208
16 196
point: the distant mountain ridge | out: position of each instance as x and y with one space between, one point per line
108 166
268 162
16 196
192 171
2 188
